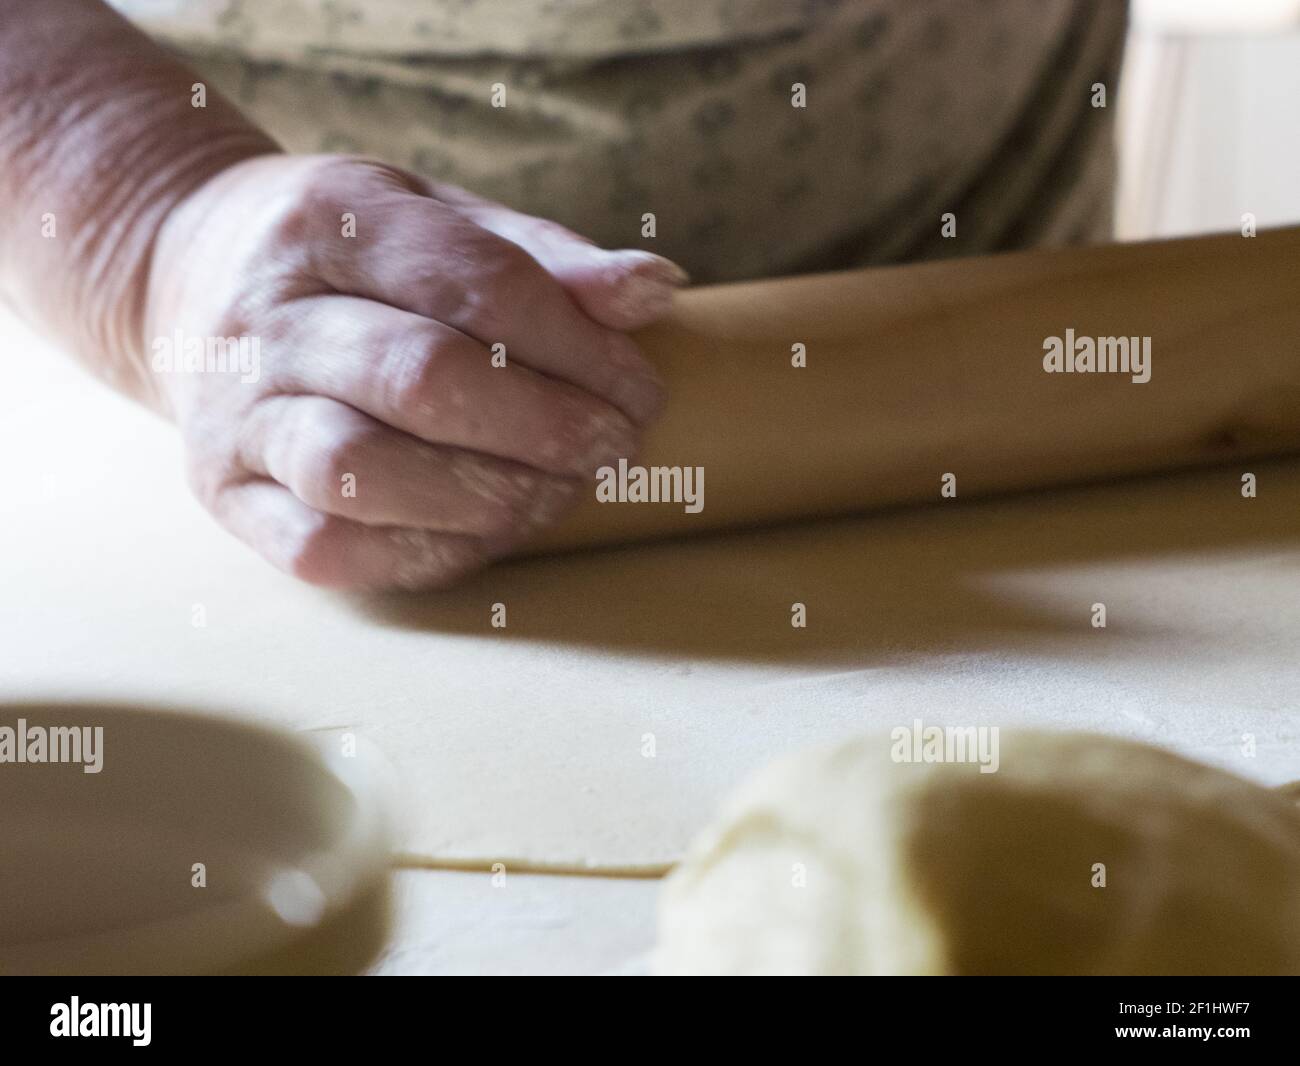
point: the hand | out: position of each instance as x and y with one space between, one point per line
375 443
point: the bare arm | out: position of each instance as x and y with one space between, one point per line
99 141
370 435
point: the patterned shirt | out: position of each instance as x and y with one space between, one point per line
766 137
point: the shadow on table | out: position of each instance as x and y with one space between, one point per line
923 579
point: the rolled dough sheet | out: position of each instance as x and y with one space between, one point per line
473 923
634 686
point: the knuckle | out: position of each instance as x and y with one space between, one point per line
206 481
301 214
321 452
212 462
496 288
589 434
283 359
324 179
554 233
413 366
313 553
323 187
295 223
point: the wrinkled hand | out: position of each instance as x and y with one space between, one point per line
375 443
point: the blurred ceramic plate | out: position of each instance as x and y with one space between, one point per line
163 841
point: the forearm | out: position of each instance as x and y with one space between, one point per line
99 139
919 371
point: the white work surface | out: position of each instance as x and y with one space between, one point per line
526 746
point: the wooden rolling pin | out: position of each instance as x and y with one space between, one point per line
917 372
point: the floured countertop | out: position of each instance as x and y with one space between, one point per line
632 687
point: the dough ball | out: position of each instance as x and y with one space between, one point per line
844 861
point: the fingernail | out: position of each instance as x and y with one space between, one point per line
641 296
552 499
642 287
640 396
655 267
609 436
633 384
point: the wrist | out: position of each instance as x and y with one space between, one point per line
119 322
100 140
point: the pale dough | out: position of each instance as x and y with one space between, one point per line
526 744
1079 854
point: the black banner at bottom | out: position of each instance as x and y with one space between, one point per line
333 1016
